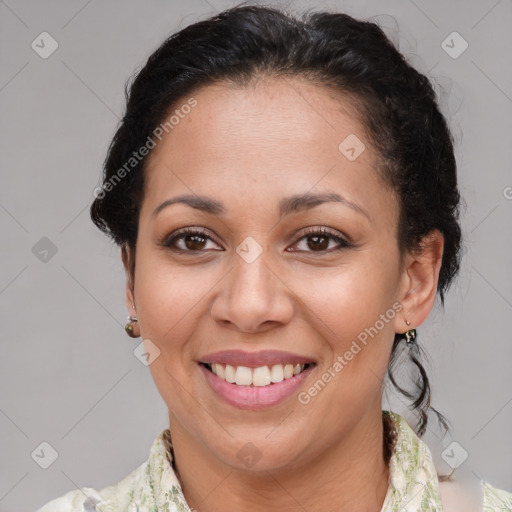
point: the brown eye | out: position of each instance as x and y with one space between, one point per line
318 240
191 240
194 242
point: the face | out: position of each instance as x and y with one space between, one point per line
308 278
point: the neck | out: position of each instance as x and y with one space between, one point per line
351 475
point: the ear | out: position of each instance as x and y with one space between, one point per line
420 276
127 257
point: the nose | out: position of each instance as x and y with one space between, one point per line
253 297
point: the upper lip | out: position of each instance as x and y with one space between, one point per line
255 359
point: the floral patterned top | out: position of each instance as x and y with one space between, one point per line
154 486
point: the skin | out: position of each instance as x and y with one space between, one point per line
248 148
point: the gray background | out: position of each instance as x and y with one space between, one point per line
68 373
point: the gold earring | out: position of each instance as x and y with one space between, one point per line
410 335
130 326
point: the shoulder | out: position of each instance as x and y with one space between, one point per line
114 498
460 497
73 501
498 500
150 484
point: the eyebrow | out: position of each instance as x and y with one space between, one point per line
287 206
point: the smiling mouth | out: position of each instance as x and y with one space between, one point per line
257 377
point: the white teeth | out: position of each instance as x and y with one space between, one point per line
243 376
288 371
277 373
229 374
261 376
218 369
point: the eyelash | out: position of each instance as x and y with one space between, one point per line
167 242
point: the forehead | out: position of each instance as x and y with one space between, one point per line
274 137
281 112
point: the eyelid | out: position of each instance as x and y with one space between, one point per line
166 240
342 240
312 230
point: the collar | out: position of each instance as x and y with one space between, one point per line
413 481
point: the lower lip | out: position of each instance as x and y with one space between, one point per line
255 397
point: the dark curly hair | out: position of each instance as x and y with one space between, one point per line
397 106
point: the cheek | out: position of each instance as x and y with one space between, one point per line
170 297
347 299
350 309
353 315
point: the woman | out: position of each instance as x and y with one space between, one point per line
284 194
